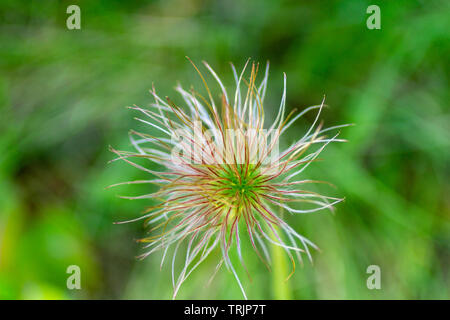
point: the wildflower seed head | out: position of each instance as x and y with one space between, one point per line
223 173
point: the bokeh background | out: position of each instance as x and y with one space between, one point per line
62 103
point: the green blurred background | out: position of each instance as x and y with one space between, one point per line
62 103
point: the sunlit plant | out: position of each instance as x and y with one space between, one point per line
223 174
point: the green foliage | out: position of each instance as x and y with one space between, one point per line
62 99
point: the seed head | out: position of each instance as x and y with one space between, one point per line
222 174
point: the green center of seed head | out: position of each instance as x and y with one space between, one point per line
243 186
241 182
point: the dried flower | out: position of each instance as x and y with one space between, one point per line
223 172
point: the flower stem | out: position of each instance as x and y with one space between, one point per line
281 287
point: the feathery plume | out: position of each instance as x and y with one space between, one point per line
223 173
